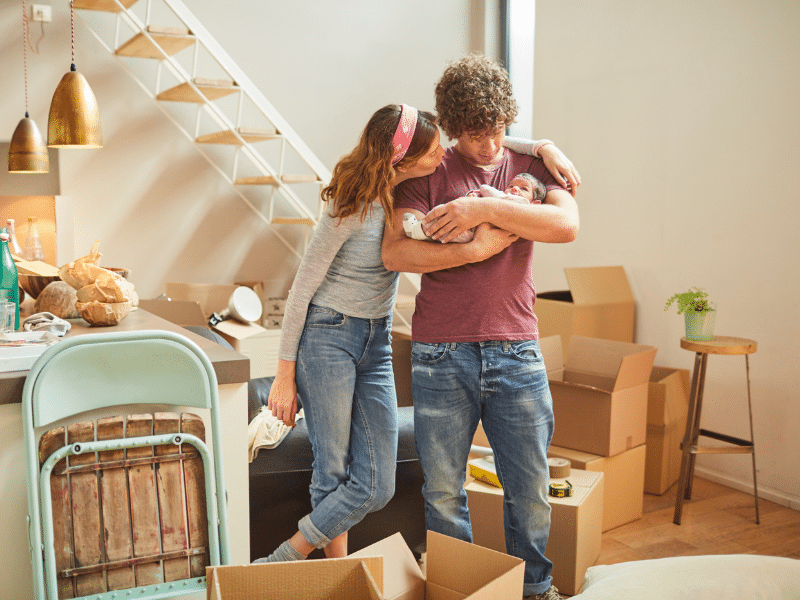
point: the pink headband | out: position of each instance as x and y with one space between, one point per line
404 133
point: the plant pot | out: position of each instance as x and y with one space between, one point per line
700 325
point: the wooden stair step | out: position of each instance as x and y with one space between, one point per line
270 180
292 221
211 89
299 178
263 180
103 5
405 301
229 137
171 39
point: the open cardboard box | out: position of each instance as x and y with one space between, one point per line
599 303
623 493
667 407
599 393
257 343
575 526
387 570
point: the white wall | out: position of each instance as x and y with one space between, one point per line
683 120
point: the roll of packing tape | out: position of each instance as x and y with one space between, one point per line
560 490
559 467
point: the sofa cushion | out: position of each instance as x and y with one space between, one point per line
294 452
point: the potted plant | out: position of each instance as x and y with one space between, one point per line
699 313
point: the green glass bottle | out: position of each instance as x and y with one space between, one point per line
9 280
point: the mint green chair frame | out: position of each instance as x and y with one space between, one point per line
103 370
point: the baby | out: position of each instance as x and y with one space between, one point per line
522 189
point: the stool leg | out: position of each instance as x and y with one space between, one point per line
701 386
752 439
687 438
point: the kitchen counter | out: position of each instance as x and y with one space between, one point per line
229 366
233 373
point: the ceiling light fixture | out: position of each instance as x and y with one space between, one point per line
27 152
74 116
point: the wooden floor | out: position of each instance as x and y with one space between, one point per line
717 520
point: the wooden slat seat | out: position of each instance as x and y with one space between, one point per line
171 39
128 518
211 89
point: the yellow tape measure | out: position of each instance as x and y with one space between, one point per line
561 490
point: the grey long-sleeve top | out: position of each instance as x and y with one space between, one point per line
341 269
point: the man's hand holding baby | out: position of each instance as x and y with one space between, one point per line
446 222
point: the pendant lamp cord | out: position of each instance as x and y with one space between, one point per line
72 32
25 53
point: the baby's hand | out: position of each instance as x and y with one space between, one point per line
473 194
413 228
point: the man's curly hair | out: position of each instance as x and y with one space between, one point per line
474 95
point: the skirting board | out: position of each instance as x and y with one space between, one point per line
764 492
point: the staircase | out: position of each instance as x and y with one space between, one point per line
198 86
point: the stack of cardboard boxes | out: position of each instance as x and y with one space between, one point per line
600 407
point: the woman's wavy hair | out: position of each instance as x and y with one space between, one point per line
474 95
365 175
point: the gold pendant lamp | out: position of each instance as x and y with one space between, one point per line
27 152
74 116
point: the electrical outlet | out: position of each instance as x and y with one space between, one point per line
42 12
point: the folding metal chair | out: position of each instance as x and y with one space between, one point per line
130 502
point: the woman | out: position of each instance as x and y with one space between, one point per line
335 345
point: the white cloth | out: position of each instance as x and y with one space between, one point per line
267 431
45 321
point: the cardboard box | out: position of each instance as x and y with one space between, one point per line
623 488
211 297
342 579
575 526
599 303
258 344
180 312
386 570
599 394
667 407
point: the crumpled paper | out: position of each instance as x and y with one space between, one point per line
267 431
46 321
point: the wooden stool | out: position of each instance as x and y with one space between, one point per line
717 345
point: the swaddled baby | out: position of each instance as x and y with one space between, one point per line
522 189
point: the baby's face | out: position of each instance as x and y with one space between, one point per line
519 186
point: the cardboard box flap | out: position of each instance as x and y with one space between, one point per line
402 577
553 354
598 285
447 557
629 364
179 312
668 396
338 579
238 330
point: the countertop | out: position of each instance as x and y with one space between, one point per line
229 366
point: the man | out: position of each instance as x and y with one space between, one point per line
475 354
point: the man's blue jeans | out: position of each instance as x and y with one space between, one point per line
504 384
346 384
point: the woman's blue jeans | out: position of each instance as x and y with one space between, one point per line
346 384
504 384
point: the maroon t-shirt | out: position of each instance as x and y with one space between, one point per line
489 300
